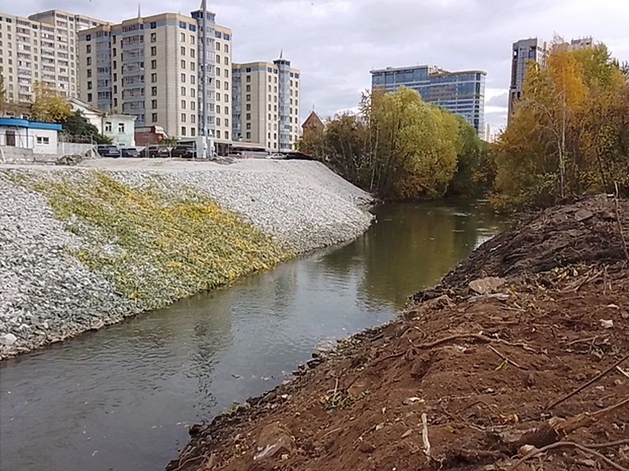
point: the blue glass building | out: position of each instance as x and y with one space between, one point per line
462 93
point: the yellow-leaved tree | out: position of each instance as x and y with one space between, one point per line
49 106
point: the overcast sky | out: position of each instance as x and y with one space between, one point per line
336 42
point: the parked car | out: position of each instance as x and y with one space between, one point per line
155 151
185 150
129 152
108 150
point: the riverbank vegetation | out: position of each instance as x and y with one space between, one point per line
400 147
155 246
569 137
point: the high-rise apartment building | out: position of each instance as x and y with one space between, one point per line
152 67
524 51
462 93
536 50
41 48
266 104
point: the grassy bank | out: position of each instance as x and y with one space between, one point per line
153 245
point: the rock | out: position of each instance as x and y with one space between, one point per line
366 447
412 400
607 324
274 441
583 215
486 285
8 339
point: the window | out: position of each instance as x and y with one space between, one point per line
182 37
183 117
154 117
218 109
193 92
218 71
154 104
269 88
218 59
89 73
153 64
218 134
183 51
183 130
192 42
183 78
43 140
89 97
218 97
89 61
248 135
192 66
153 78
153 50
248 125
192 79
248 116
218 84
226 123
248 106
193 118
226 85
183 64
218 121
218 46
226 48
183 91
153 25
192 105
154 36
88 49
121 128
183 104
192 130
248 97
153 91
248 78
248 88
226 60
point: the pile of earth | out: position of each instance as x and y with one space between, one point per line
526 370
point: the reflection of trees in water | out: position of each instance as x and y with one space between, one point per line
414 245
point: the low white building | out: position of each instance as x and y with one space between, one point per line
119 127
41 138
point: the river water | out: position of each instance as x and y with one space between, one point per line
122 398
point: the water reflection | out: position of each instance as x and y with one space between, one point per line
120 398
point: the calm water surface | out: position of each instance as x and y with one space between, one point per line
121 398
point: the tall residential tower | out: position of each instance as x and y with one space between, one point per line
266 104
151 67
41 48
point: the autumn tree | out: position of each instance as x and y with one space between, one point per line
568 136
49 106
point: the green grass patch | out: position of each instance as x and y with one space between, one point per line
154 246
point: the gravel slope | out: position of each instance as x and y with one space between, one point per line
47 295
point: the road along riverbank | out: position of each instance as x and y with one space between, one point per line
520 354
82 247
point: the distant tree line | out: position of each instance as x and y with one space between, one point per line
569 137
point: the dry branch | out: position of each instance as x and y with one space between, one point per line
592 381
571 445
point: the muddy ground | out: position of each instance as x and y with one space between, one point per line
526 370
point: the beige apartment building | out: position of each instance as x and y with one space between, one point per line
266 104
151 67
41 48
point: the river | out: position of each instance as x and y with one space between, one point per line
122 398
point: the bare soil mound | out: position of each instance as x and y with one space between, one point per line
583 232
533 374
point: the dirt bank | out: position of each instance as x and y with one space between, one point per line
474 380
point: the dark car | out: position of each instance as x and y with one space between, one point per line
185 151
129 152
155 151
106 150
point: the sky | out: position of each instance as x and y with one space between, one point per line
335 43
